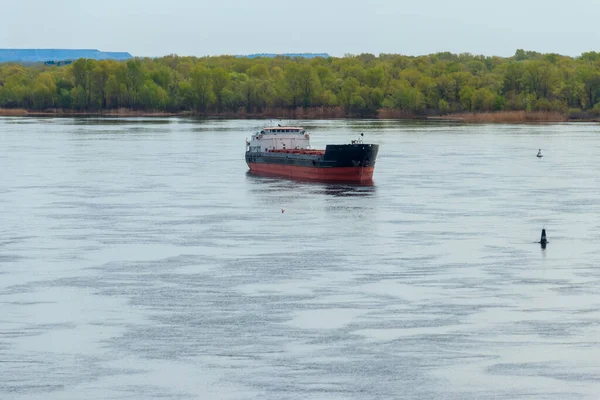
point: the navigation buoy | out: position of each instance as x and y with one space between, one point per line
543 239
539 154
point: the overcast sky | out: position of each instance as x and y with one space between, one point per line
201 27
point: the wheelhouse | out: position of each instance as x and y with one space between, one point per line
283 129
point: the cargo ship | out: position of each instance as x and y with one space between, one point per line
285 151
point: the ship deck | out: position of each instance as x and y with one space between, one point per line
299 151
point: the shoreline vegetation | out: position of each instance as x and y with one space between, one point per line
527 87
302 114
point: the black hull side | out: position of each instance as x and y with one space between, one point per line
352 155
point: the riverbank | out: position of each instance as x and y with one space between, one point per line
507 117
273 113
317 113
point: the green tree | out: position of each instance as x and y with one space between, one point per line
293 85
44 91
220 79
202 88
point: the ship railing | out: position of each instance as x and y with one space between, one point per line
298 151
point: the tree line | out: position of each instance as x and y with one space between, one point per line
361 85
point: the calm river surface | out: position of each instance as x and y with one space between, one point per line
139 260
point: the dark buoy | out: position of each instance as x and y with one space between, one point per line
543 240
539 154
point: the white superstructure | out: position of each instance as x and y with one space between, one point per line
279 138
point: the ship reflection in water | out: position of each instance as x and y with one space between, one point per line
345 190
341 189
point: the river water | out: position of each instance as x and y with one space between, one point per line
139 260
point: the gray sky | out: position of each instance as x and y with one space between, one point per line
201 27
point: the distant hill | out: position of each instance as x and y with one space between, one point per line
44 55
271 55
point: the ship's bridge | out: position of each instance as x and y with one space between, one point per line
283 129
279 138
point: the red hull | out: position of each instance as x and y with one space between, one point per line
333 174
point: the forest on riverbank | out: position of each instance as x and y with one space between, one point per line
528 85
